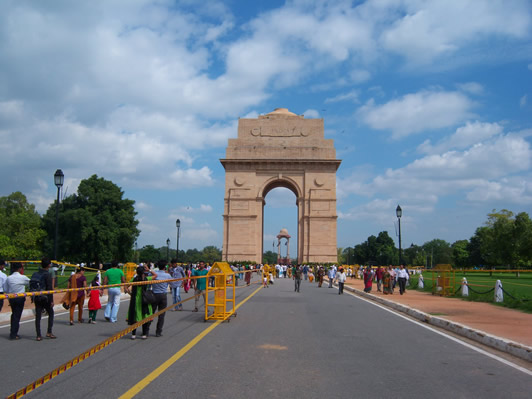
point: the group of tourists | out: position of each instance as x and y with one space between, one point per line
386 278
146 299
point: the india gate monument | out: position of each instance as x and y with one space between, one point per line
280 149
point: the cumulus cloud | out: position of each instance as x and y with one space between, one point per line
464 137
430 29
417 112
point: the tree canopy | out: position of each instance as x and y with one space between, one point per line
96 224
21 231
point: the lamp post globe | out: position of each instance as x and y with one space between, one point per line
59 179
178 226
399 213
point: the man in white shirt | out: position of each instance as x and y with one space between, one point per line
3 279
16 284
402 277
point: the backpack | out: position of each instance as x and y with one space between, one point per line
38 283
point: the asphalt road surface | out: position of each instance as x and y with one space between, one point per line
281 344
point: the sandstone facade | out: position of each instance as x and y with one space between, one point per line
280 149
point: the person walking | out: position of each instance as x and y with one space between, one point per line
176 271
113 276
3 278
296 273
379 273
368 279
331 274
340 278
402 277
200 284
160 291
321 273
94 299
16 283
73 298
138 309
247 276
44 302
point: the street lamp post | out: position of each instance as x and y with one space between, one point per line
167 249
399 213
59 179
178 225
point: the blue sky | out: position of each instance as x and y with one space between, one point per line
429 104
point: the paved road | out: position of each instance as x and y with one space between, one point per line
315 344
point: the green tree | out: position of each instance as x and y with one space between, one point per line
460 254
211 254
439 250
149 253
269 257
97 224
21 231
479 247
376 250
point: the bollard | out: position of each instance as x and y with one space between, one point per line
499 297
465 288
420 282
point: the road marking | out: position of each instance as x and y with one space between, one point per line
178 355
491 355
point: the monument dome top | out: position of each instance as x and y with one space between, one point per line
281 111
283 233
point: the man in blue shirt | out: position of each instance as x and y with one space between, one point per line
160 290
176 271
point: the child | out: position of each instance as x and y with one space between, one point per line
94 300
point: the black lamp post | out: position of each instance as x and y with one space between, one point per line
399 213
59 179
178 225
167 249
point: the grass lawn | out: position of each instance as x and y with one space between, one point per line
518 287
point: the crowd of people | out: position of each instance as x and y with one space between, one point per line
148 299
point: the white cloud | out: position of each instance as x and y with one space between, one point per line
311 113
523 101
464 137
472 87
351 96
414 113
360 75
513 190
141 205
431 29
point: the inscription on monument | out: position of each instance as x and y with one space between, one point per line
274 131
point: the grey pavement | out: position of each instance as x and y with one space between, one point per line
281 344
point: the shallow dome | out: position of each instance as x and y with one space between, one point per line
281 111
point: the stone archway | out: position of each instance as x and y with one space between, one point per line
280 149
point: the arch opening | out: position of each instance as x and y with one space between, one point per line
280 225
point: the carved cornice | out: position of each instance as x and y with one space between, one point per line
280 164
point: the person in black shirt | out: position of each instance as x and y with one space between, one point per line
46 303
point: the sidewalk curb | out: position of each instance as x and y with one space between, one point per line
30 313
516 349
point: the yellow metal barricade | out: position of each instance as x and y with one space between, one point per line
443 280
224 280
130 269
